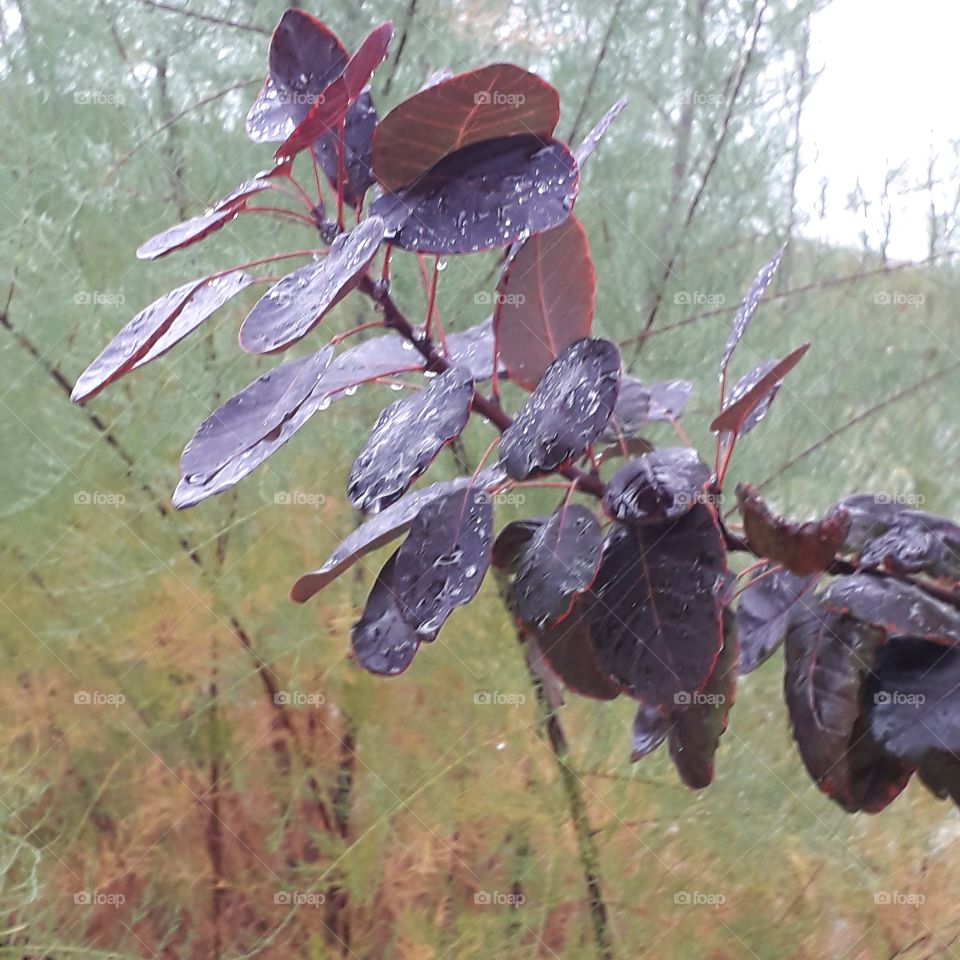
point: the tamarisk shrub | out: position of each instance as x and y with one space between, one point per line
625 588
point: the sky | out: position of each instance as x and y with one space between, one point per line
888 90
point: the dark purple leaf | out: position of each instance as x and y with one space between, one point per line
484 196
650 728
331 105
441 564
305 57
657 620
828 656
559 562
512 541
544 301
661 485
593 138
568 648
639 405
700 719
913 699
501 100
407 437
940 774
296 304
383 642
740 411
766 608
803 548
157 328
473 349
382 528
748 306
360 122
898 608
567 411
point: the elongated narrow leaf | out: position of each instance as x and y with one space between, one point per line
700 720
898 608
485 196
382 528
559 562
656 624
157 328
639 405
298 302
748 306
592 140
330 108
568 649
407 437
305 57
544 301
566 413
650 728
661 485
765 611
828 657
743 404
383 642
803 548
496 101
441 564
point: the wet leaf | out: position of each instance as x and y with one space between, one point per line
765 610
406 439
382 641
544 301
568 648
330 106
558 562
566 413
748 306
698 723
898 608
592 140
305 57
484 196
803 548
157 328
382 528
496 101
656 624
828 657
650 728
639 405
293 306
473 349
441 564
512 541
752 394
657 486
360 123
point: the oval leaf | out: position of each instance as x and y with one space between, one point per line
658 486
359 125
407 437
566 413
484 196
298 302
473 349
544 301
639 405
512 541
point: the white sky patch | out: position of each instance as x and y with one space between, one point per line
888 91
